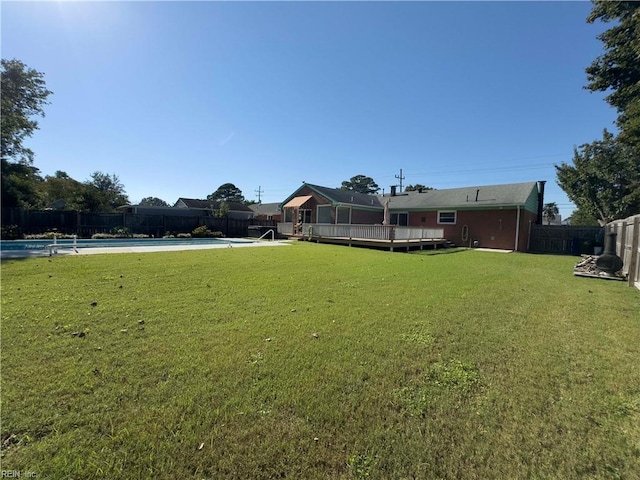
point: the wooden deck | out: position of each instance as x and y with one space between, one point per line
388 237
391 245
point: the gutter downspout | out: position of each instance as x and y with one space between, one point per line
517 229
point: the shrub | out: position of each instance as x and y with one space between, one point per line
121 232
107 236
48 236
11 232
204 232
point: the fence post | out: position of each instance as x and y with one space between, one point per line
633 261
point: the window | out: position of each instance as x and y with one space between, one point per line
400 219
344 214
447 217
304 215
288 215
324 213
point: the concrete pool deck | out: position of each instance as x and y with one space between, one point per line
67 250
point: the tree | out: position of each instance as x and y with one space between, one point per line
604 180
153 202
21 185
23 96
222 211
111 192
617 70
579 218
550 212
61 192
227 192
362 184
416 187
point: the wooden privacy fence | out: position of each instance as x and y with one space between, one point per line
85 224
565 239
628 246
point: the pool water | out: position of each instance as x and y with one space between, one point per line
17 245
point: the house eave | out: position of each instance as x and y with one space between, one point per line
373 208
457 207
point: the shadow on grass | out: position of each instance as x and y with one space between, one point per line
440 251
9 258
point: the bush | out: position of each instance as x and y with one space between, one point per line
204 232
48 236
11 232
107 236
176 235
121 232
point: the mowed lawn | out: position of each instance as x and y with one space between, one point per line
316 361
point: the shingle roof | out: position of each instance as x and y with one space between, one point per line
466 197
206 204
523 194
266 208
194 203
337 195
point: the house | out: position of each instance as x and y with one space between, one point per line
316 204
267 211
237 210
493 216
190 207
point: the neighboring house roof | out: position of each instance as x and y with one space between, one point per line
207 204
192 203
266 208
340 197
509 195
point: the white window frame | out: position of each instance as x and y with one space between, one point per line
455 217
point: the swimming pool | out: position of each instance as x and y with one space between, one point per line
13 248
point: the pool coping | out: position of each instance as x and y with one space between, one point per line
67 250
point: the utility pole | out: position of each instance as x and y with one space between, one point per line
259 191
401 178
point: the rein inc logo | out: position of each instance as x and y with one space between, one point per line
17 474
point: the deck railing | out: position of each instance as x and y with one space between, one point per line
368 232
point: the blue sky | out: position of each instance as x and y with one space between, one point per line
177 98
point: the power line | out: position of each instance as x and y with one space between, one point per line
401 178
505 169
259 191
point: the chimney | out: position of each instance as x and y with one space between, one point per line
393 190
540 200
477 193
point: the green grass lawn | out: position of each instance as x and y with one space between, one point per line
315 362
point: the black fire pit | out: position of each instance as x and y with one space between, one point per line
607 266
609 262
